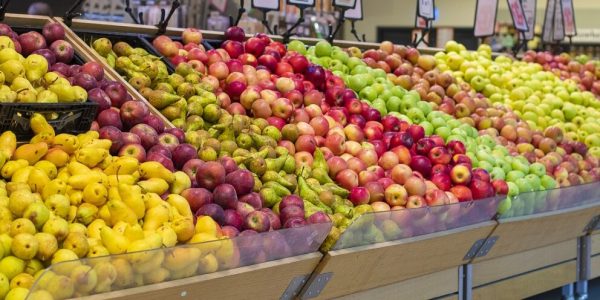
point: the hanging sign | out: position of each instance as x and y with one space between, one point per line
548 22
518 15
529 8
568 14
558 33
345 4
425 9
355 13
485 17
302 3
265 4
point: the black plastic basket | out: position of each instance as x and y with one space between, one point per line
63 117
71 118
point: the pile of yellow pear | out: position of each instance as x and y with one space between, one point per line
64 198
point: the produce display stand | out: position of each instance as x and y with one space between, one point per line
437 243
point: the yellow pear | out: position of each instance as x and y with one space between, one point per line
5 243
124 273
81 181
119 211
97 254
58 227
23 280
19 201
61 287
12 69
67 142
182 182
114 242
93 229
36 66
4 286
184 227
205 242
91 156
22 175
47 167
58 204
12 166
154 185
84 278
156 217
24 246
153 169
21 225
124 165
151 264
78 228
33 266
17 294
169 236
131 195
54 187
32 153
37 213
180 204
156 276
181 257
11 266
57 156
37 180
134 232
77 243
107 274
67 259
86 213
48 245
208 264
95 193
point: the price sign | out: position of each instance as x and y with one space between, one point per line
425 9
421 23
346 4
266 4
558 33
568 14
302 3
485 17
518 15
355 13
548 22
529 8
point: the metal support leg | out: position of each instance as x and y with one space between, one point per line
568 292
583 266
465 282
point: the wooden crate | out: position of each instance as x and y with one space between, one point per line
263 281
368 267
519 234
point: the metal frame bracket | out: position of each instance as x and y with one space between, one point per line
294 287
481 247
317 285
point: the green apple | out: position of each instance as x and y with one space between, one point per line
486 165
548 182
428 127
513 189
513 175
379 104
353 62
297 46
393 104
497 173
442 131
534 181
323 49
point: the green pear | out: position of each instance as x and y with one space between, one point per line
47 96
162 99
11 266
8 54
27 96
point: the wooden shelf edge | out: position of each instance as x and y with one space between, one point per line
287 268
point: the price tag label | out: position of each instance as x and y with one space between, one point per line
266 4
485 17
559 26
547 30
518 15
355 13
529 8
425 9
568 14
346 4
302 3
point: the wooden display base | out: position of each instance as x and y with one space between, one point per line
520 234
529 284
424 287
367 267
501 268
263 281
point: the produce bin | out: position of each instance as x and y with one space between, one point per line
385 248
543 218
260 265
63 117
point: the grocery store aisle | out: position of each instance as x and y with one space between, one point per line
593 286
